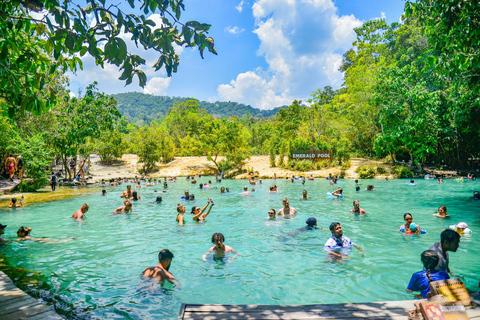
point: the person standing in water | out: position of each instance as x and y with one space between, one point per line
357 210
286 211
161 270
198 214
80 213
420 281
219 249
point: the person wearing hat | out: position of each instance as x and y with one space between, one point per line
2 231
461 228
311 224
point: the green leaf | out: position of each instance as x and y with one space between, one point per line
142 78
70 41
122 50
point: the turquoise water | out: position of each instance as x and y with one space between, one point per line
94 268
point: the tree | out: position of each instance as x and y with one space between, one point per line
151 144
109 146
32 49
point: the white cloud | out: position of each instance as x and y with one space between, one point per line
302 41
157 86
234 30
71 94
240 6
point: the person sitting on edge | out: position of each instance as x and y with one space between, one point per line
219 249
338 193
337 243
2 231
245 191
23 234
420 281
357 210
286 211
442 212
186 195
80 213
160 271
461 228
127 207
13 203
449 241
271 214
181 210
409 227
198 213
127 193
304 195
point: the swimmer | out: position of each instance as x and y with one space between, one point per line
286 211
253 190
245 191
222 190
311 177
476 195
135 196
186 195
127 193
192 197
357 210
158 200
198 213
227 189
2 231
311 224
420 281
409 227
181 211
104 192
23 234
442 212
461 228
439 180
160 271
370 187
271 214
412 183
219 249
14 204
357 188
138 185
338 193
337 243
127 207
80 213
356 183
304 195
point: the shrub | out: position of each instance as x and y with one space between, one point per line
304 165
365 172
281 160
403 172
346 165
272 160
321 164
381 170
225 165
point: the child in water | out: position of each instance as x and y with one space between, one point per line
420 281
219 249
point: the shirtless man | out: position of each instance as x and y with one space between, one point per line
80 213
127 193
245 191
357 210
127 207
304 195
160 271
286 211
10 165
219 249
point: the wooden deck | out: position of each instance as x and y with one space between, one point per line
16 304
394 310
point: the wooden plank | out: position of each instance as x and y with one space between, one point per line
182 311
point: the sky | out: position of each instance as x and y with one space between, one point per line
270 52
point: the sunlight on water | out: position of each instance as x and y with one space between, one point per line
94 267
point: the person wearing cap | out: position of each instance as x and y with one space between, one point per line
337 245
449 241
311 224
286 211
2 231
461 228
357 210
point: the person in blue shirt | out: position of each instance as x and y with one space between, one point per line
420 281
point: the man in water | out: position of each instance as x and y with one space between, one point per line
245 191
286 211
357 210
2 231
219 249
186 195
449 241
80 213
127 194
338 242
160 271
304 195
10 165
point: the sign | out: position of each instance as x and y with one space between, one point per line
311 155
453 290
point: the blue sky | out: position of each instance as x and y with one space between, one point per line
270 52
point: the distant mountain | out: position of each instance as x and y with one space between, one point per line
142 108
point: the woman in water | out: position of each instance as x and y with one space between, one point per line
135 196
181 210
14 204
338 192
442 212
198 214
420 281
409 227
23 234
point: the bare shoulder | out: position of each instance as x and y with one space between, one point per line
228 248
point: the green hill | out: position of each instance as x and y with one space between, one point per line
142 108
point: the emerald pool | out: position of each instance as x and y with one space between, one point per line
93 269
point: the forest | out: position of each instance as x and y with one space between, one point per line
411 92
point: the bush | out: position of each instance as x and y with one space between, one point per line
272 160
381 170
321 164
365 172
403 172
225 165
304 165
346 165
